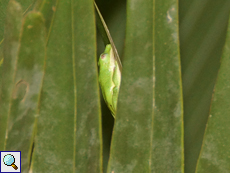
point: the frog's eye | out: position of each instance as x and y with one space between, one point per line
103 56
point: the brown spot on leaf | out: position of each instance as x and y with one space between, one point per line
20 90
53 8
30 26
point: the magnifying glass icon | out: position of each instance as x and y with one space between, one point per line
9 160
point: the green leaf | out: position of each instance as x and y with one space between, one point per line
131 142
214 157
26 6
48 9
202 35
27 87
11 46
55 125
3 10
69 125
167 142
22 90
148 132
88 134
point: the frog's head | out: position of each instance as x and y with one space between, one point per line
108 49
107 57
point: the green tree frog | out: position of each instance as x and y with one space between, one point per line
109 78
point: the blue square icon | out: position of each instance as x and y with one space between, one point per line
10 161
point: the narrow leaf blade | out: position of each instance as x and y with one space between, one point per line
25 95
131 141
11 46
53 151
167 142
88 134
214 156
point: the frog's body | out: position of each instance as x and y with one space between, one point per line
109 78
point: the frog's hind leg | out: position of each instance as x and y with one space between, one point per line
116 81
